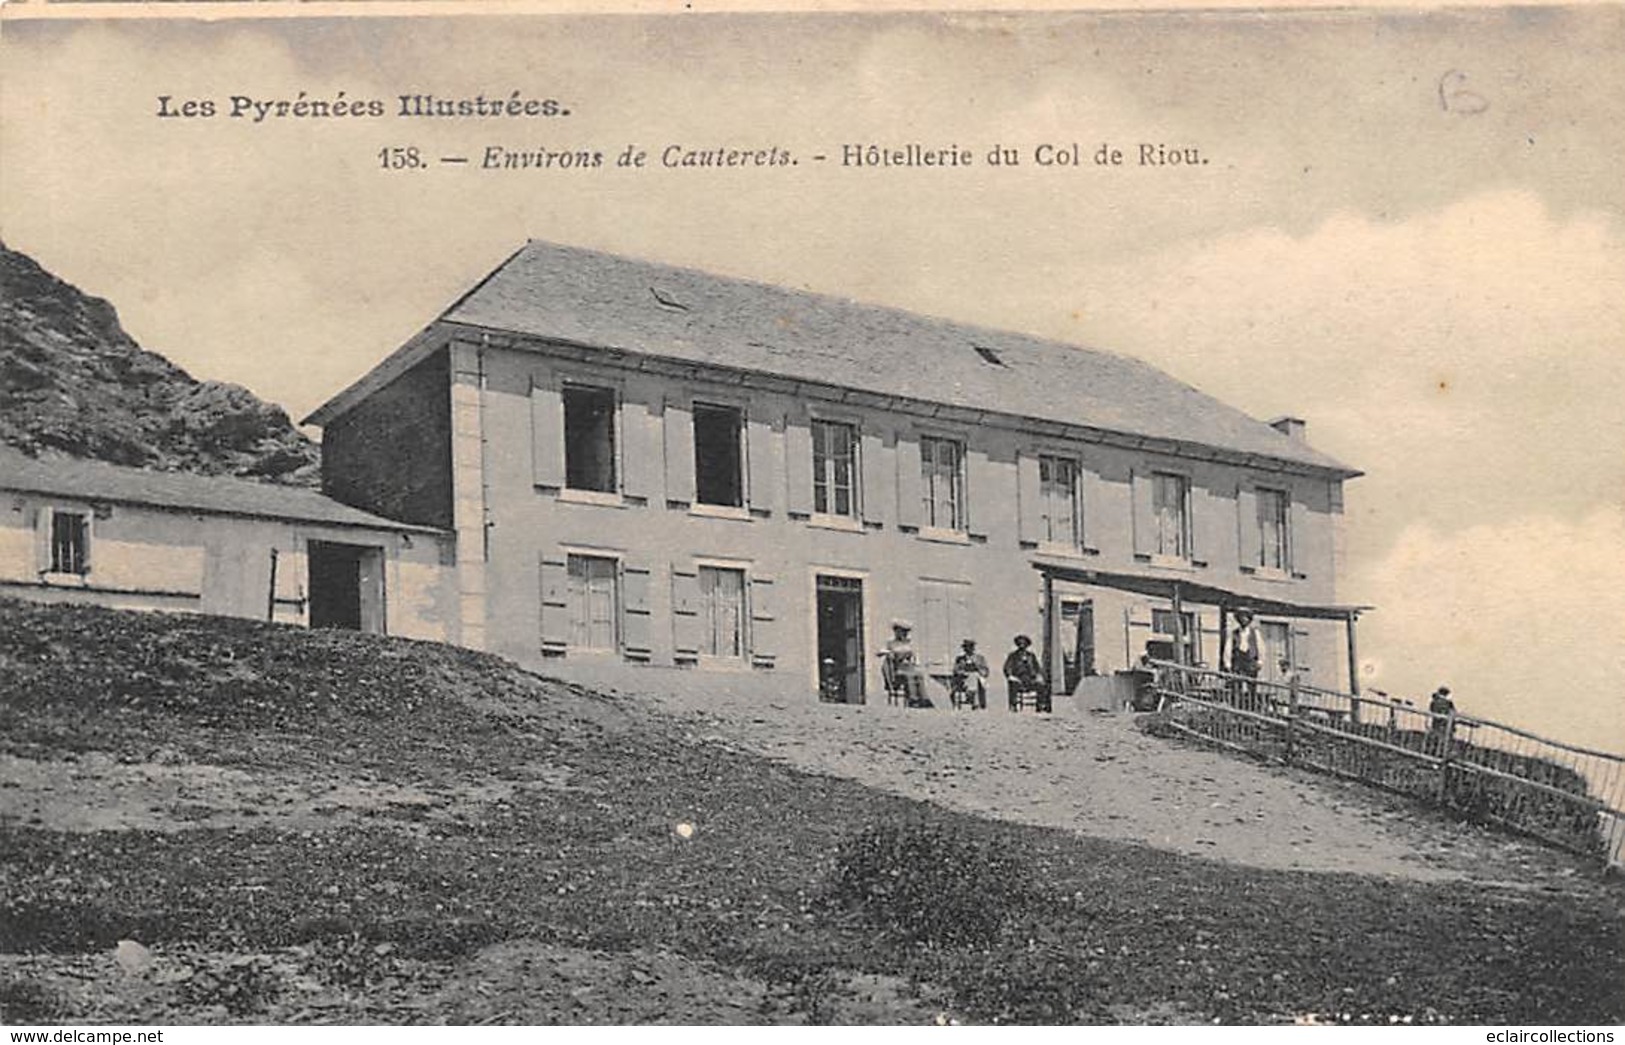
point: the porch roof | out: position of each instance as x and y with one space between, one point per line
1195 591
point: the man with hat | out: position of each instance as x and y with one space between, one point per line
970 674
1023 674
1246 652
900 668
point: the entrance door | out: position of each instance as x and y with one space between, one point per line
840 639
346 586
1077 641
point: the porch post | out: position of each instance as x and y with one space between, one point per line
1354 654
1224 636
1049 629
1179 624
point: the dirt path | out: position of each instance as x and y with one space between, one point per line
1101 776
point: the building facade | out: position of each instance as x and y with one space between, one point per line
86 531
648 465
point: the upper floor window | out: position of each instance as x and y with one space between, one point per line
943 487
835 468
70 542
589 438
1170 510
594 603
1058 501
722 611
718 456
1270 553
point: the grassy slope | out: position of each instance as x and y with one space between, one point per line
1095 930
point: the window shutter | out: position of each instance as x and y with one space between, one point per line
1144 524
546 435
909 485
640 452
798 462
637 633
1092 498
876 485
1246 525
981 494
1297 538
961 624
685 612
1209 524
42 540
679 425
762 459
1027 499
1300 650
764 627
555 606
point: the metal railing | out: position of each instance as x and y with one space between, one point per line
1567 795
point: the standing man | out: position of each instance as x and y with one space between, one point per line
1246 653
1023 674
970 674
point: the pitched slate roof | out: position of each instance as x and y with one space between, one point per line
595 299
100 481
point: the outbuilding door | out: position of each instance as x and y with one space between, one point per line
346 586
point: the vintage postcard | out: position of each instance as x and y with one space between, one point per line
1044 516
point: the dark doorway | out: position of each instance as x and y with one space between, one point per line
1077 641
346 586
840 639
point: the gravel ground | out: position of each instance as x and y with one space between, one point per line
1097 774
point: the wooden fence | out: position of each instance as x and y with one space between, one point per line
1569 796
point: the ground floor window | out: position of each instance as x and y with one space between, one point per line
722 612
1278 653
593 602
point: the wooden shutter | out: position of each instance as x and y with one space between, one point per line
685 612
909 485
798 462
876 478
1209 525
679 427
1246 526
762 460
640 452
1028 497
932 628
764 626
961 623
546 434
555 606
637 632
1297 537
1299 647
1145 523
1092 498
981 494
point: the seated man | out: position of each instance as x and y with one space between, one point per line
900 668
1023 674
970 674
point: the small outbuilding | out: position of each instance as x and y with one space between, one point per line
87 531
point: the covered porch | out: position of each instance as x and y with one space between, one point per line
1183 595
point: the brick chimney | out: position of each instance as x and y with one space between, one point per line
1291 427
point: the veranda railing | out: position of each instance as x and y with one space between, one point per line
1571 796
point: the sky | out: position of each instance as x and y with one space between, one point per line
1409 231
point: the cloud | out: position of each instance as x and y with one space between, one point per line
1469 360
1522 620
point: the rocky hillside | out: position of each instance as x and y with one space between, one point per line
73 382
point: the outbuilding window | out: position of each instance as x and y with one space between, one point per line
70 542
